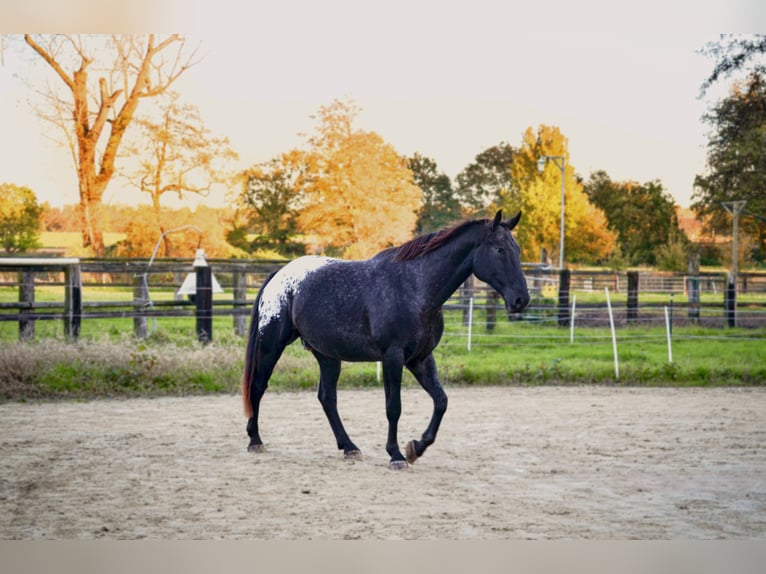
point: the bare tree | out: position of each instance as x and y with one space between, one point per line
104 78
178 155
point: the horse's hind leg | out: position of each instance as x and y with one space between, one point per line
267 354
425 373
328 383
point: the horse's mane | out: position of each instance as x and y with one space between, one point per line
429 242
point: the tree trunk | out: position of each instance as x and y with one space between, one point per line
137 62
91 224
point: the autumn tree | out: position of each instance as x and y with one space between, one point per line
203 227
486 182
19 218
64 218
269 203
538 195
359 193
102 81
642 215
440 204
176 154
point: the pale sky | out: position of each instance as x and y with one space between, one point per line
446 79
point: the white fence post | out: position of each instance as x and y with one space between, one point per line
667 330
470 322
572 319
614 337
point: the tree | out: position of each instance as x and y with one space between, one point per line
64 218
440 205
177 155
94 114
19 218
733 53
270 202
360 195
538 195
487 183
203 227
642 215
736 162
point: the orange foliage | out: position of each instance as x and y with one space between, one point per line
206 229
359 193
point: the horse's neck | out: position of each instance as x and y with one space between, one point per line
447 268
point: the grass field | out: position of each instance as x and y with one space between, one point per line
109 361
72 241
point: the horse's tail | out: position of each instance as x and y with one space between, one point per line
253 338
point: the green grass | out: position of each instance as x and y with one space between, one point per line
523 355
72 240
108 361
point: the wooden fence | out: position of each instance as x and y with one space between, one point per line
553 291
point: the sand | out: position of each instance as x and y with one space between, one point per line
509 463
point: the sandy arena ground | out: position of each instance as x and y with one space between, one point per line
509 463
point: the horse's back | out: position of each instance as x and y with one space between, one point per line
333 307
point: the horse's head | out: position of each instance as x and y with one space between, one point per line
497 262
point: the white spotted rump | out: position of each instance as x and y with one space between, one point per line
286 283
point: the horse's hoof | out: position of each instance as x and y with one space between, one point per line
256 448
398 465
353 455
410 453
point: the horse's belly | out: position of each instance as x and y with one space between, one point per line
343 346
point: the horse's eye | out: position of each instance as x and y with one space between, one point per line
499 250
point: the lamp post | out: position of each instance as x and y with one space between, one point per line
561 162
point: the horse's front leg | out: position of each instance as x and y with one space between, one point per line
425 373
392 384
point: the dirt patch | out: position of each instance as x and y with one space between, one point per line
551 462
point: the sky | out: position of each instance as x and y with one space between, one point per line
445 79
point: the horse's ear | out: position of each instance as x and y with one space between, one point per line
498 219
513 222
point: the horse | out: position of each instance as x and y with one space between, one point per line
387 308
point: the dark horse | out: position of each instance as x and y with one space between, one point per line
387 308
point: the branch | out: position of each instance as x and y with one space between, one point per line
732 53
141 88
176 70
107 103
52 62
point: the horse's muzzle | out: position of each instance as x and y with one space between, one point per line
515 305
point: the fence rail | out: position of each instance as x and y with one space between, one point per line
554 294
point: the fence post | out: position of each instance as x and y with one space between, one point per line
614 335
730 300
693 287
140 297
27 295
239 285
633 279
72 301
694 299
470 322
564 282
204 300
492 297
466 294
